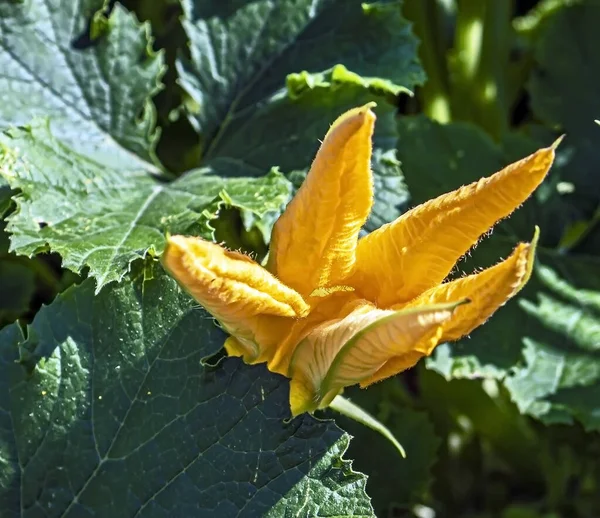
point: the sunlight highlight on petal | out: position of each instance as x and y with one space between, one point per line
313 243
230 285
488 290
417 251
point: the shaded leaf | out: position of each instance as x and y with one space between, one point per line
241 54
18 287
123 391
564 94
393 482
440 158
292 124
267 103
543 345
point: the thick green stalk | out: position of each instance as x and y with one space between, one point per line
425 16
480 63
466 56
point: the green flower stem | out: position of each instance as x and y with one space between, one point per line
435 98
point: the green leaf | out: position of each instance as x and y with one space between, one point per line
94 83
25 283
543 345
242 52
109 218
123 418
5 197
564 94
18 288
268 103
559 378
98 217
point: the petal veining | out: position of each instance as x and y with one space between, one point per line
231 286
487 290
314 241
401 260
344 352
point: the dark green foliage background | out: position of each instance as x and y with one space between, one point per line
123 121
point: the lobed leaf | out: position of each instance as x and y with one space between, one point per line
95 216
93 80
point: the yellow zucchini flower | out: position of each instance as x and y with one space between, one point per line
331 310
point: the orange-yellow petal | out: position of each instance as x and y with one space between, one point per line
313 242
401 260
237 291
487 290
334 306
345 351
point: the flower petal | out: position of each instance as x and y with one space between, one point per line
332 307
487 290
237 291
314 241
346 351
401 260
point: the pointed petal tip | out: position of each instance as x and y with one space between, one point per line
557 142
313 242
368 106
354 115
528 251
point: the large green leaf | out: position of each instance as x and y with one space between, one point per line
96 91
123 418
241 53
564 93
77 201
98 217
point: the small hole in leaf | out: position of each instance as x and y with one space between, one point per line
42 224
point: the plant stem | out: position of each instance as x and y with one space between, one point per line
480 62
425 16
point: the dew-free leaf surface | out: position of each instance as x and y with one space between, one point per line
95 89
